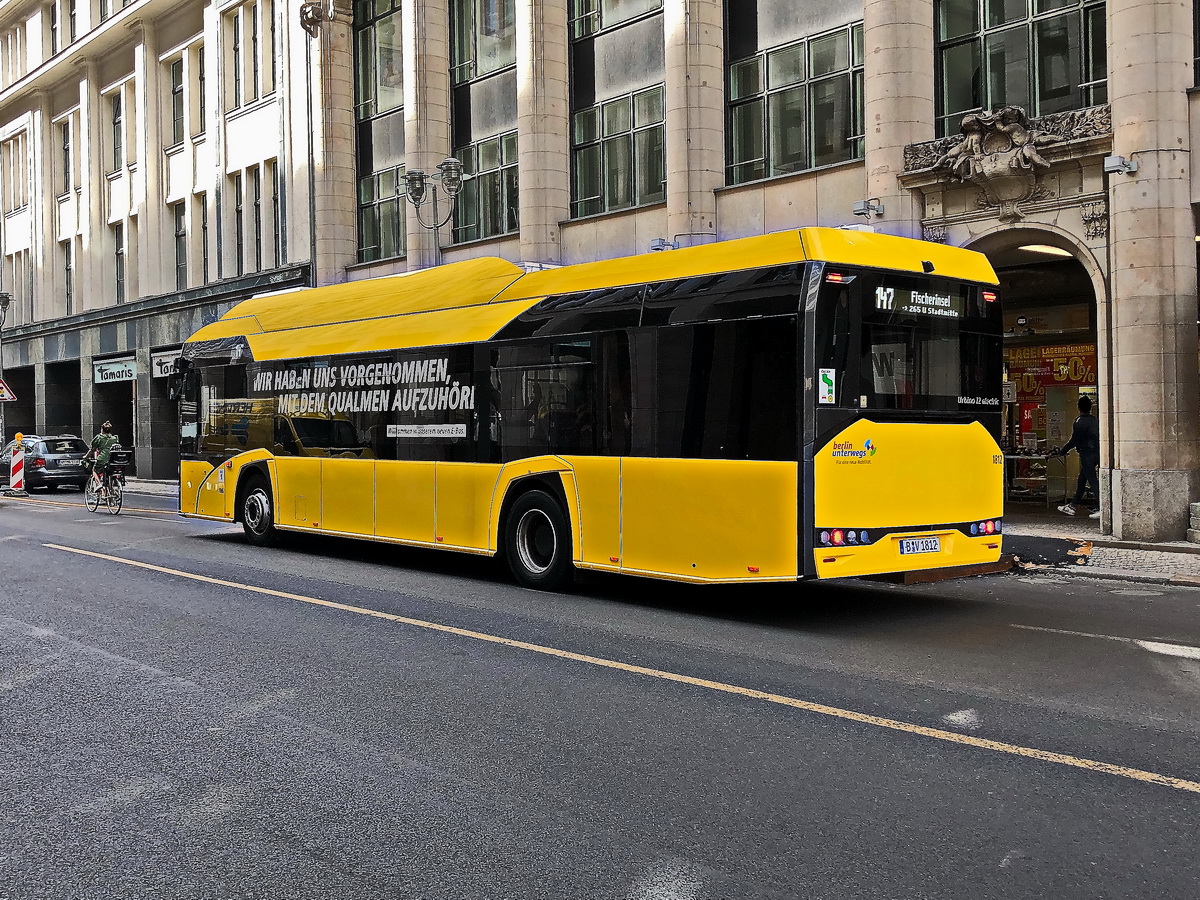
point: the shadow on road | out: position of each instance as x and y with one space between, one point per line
846 606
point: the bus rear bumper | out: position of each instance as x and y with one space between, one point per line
908 552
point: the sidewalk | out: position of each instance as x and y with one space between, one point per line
158 488
1171 562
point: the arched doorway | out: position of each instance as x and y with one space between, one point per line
1052 357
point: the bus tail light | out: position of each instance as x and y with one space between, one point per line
753 569
839 278
990 297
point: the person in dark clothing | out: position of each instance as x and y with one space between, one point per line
1085 438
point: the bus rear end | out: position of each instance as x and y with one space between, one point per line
901 448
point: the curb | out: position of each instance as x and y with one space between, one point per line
1101 573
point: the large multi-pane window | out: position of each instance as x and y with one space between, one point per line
379 109
488 203
483 37
202 209
179 213
112 7
381 221
796 106
590 16
55 39
617 158
1045 56
15 155
618 65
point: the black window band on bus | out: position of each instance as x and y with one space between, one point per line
232 350
749 293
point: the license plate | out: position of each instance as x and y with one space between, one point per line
70 462
921 545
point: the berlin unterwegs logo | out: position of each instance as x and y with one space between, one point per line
847 449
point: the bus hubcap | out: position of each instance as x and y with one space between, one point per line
536 541
257 510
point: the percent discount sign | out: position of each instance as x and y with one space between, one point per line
1033 369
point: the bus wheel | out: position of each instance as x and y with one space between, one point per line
257 519
537 541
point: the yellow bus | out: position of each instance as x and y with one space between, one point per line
815 403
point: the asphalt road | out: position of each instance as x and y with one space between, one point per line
347 720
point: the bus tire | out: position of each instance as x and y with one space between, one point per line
537 542
258 512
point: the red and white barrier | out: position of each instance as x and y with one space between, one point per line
16 472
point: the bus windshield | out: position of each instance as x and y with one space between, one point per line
923 344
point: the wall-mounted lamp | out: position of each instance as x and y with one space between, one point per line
1119 165
869 207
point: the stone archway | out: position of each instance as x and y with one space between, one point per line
1055 306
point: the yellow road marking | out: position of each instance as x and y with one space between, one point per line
808 706
40 502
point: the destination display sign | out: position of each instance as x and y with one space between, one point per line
919 302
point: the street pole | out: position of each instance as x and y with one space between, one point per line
5 299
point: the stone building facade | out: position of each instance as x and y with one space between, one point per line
1052 135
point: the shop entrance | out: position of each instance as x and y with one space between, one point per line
1050 361
64 410
20 414
116 402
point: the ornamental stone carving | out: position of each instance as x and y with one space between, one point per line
998 152
1095 219
934 233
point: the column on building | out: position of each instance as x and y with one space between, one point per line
898 103
426 27
543 127
148 193
43 189
333 203
90 267
1153 272
695 118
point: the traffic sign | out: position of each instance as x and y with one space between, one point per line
5 392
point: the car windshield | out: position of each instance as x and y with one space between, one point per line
64 445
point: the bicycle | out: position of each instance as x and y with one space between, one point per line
111 489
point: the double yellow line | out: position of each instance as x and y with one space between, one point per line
952 737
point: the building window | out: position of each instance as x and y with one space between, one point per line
796 107
381 222
379 110
256 183
488 204
202 205
111 7
617 158
1046 57
66 171
590 16
201 91
117 124
14 154
483 37
239 231
236 50
118 233
180 213
72 20
276 214
177 106
68 261
54 30
252 72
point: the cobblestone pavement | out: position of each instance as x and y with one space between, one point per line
1163 560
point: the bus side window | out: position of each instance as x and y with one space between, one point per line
285 441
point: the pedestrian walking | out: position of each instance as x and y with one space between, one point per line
1085 439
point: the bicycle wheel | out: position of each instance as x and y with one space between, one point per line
91 496
114 496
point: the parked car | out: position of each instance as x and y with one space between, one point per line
49 461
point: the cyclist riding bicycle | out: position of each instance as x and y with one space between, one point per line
103 445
